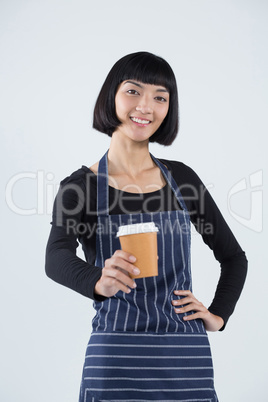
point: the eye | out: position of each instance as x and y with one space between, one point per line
161 99
132 92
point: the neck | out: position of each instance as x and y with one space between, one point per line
127 156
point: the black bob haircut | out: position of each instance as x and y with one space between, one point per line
149 69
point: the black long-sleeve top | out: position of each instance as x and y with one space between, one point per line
75 219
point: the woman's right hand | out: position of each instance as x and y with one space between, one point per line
115 274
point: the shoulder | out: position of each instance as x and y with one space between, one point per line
182 173
81 177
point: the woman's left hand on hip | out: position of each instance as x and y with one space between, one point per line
188 303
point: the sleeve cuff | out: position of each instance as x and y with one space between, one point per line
223 316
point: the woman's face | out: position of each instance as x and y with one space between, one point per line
141 108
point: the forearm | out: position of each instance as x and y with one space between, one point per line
71 271
64 267
230 285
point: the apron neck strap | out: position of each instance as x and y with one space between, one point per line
171 182
103 187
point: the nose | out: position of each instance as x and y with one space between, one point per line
144 106
144 110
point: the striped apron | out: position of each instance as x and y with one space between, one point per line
140 349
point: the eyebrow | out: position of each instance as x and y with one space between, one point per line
140 86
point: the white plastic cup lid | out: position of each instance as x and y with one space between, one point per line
136 228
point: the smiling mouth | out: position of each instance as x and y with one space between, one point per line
140 121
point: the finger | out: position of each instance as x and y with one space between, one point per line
194 316
126 267
182 292
185 300
120 276
119 262
123 277
125 255
190 307
117 285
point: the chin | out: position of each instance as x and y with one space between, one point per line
140 138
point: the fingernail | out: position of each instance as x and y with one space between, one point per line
178 310
132 258
134 285
136 271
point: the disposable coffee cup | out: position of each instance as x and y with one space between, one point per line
140 240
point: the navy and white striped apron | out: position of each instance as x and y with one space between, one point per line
140 349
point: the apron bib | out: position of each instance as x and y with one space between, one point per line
140 349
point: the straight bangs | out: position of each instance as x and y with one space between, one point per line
149 69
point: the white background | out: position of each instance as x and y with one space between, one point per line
55 55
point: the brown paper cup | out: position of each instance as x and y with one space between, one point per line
144 247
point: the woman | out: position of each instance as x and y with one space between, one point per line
149 339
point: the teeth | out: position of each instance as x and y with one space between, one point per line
140 121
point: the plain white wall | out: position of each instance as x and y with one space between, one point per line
55 55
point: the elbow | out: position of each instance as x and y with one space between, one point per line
48 271
49 265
